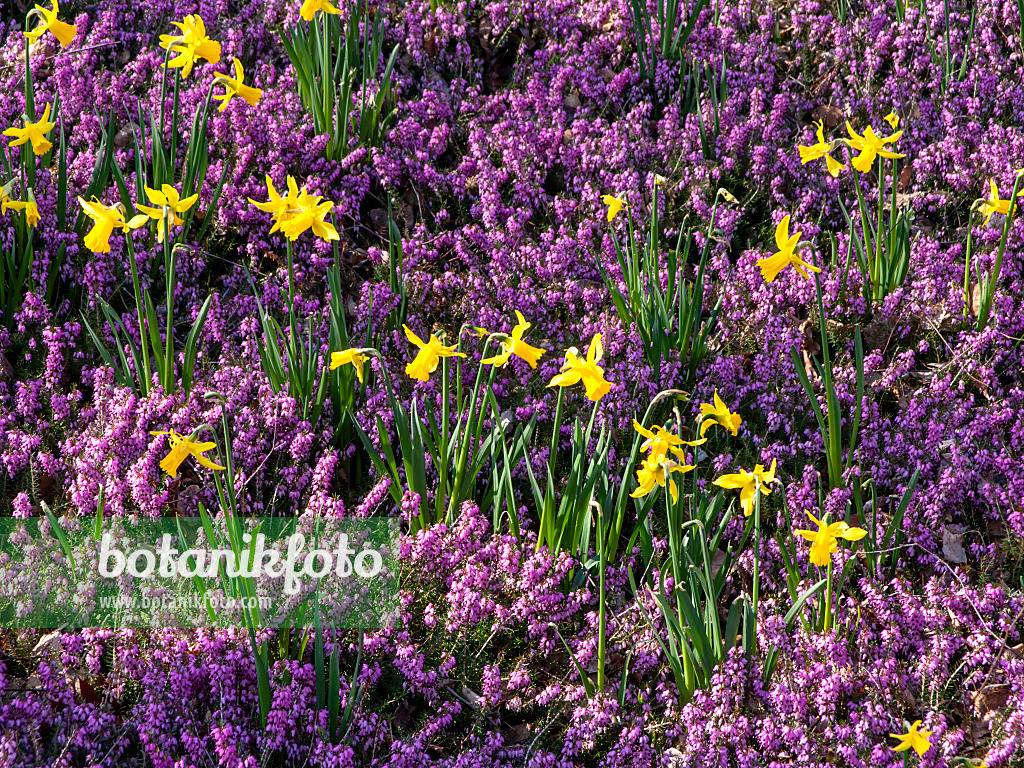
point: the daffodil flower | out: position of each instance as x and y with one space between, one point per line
480 332
105 219
191 45
310 7
48 22
656 472
772 265
575 370
425 362
28 206
821 149
718 413
514 345
181 448
913 739
308 213
167 199
235 87
993 204
354 357
615 204
34 132
747 483
892 119
660 442
279 207
824 540
870 146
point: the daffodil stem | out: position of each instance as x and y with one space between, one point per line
876 278
167 378
827 623
601 607
144 374
967 266
755 590
863 220
27 155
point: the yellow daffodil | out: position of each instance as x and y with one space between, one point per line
48 22
824 540
308 212
660 442
167 199
913 739
480 332
993 204
892 119
656 473
588 371
28 206
718 413
615 204
105 219
772 265
747 483
821 149
425 362
280 207
34 132
310 7
191 45
514 345
355 357
235 87
870 146
181 448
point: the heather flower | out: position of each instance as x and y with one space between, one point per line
191 45
166 201
718 413
824 540
34 132
48 22
870 146
772 265
656 472
913 739
181 448
354 357
748 483
425 362
105 219
310 7
514 345
821 149
588 371
235 87
308 213
615 204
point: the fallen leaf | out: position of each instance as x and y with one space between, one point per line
952 544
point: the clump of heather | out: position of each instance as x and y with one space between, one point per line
840 179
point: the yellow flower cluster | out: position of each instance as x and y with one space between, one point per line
297 211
